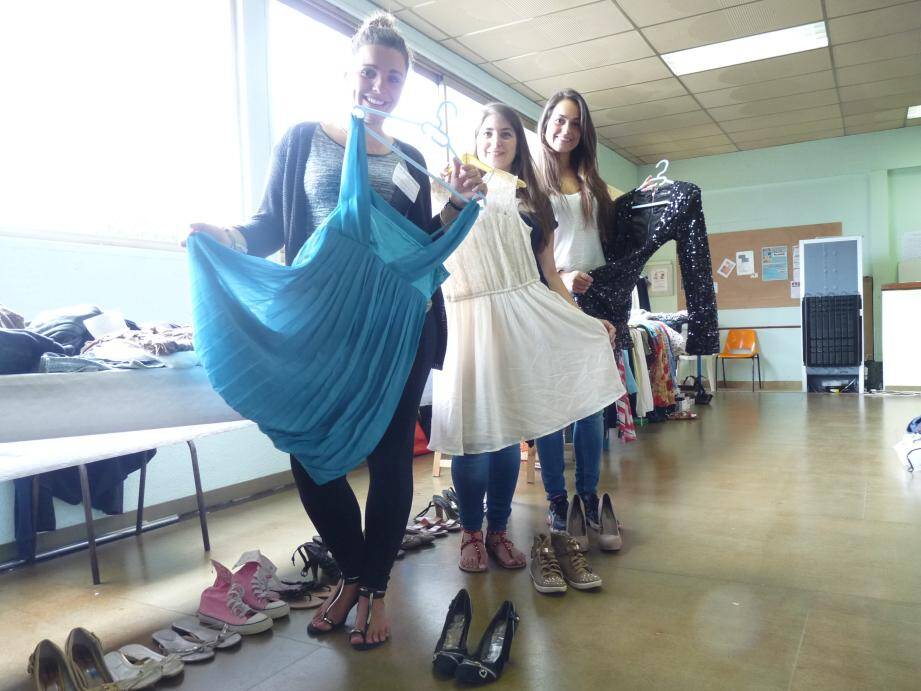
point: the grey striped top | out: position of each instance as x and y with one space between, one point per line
324 172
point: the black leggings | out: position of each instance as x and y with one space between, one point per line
368 557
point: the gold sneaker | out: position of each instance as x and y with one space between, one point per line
545 569
572 561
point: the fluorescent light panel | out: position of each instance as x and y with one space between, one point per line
914 112
741 50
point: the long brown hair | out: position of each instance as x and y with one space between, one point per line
533 200
583 159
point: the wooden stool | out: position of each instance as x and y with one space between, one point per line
528 456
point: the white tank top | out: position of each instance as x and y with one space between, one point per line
576 244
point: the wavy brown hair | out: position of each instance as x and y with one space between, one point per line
583 159
532 199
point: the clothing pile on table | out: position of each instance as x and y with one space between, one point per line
58 341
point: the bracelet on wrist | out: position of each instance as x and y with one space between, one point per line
453 205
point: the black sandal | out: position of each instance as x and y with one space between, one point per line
314 630
316 557
364 645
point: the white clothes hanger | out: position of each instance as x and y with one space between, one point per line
655 182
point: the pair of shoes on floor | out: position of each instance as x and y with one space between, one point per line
587 512
82 664
240 602
486 662
304 594
496 544
557 562
446 516
414 539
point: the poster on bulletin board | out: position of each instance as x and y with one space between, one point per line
661 279
752 268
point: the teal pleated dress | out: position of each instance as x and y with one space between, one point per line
318 353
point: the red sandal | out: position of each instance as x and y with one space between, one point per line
475 538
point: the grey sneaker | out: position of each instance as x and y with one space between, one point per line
575 568
545 569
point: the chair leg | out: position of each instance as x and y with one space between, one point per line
436 464
723 360
753 375
532 458
88 517
199 497
760 383
140 515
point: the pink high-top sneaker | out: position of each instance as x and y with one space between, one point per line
254 577
222 606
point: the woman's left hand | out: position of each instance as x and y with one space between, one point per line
466 179
612 332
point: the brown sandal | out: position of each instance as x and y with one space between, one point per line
475 538
504 551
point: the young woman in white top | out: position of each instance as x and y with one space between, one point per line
582 206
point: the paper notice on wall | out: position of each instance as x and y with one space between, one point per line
726 268
796 264
910 248
794 290
774 263
745 263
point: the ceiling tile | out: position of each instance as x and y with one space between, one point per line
419 23
870 105
635 93
913 122
778 87
735 22
681 145
692 132
786 130
875 126
880 70
889 20
528 92
875 117
457 18
535 8
775 105
881 48
884 87
501 75
792 139
390 5
668 122
642 111
459 49
598 78
836 8
549 31
606 50
782 118
759 71
645 13
707 151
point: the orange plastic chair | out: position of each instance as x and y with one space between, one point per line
742 344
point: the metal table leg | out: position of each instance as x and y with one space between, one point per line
88 515
140 516
199 497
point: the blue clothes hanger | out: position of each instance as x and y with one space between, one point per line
433 130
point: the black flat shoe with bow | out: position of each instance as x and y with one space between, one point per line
451 648
486 664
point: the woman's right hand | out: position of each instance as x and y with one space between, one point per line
216 232
576 281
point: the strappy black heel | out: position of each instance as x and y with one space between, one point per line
314 630
451 648
316 557
371 595
486 664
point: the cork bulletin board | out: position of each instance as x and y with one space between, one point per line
736 291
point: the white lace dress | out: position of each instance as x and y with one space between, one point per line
521 361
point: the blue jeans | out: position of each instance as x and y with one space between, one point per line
492 475
587 438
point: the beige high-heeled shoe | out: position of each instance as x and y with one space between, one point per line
49 670
576 525
84 656
609 537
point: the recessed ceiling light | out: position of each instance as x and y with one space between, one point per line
914 112
740 50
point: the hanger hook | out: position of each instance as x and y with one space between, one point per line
663 162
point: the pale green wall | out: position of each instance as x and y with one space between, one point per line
871 183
